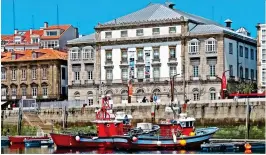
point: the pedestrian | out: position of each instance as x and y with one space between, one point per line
8 132
111 102
155 98
151 98
144 100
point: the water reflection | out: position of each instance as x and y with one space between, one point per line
20 149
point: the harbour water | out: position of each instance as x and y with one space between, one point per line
52 150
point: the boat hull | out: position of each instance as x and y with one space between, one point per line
126 143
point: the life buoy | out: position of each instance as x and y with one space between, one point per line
134 139
77 138
108 125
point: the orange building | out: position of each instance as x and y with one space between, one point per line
39 74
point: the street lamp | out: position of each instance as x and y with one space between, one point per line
173 87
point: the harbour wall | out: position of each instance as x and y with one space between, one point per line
218 112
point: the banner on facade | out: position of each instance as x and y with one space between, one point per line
224 82
131 64
130 89
147 64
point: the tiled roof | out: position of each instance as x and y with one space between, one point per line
26 36
85 39
47 54
155 12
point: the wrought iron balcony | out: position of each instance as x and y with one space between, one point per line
140 60
108 62
156 59
172 59
124 61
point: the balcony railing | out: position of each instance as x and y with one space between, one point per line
211 52
172 59
108 62
156 59
193 54
140 60
89 82
195 78
38 96
124 61
211 77
76 82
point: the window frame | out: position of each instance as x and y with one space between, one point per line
212 70
34 73
3 74
193 46
13 74
246 52
170 52
172 71
211 45
44 91
138 33
231 48
123 35
77 76
24 91
34 91
109 74
124 74
241 50
109 34
140 73
155 32
172 31
156 69
195 71
90 75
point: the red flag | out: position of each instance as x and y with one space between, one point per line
130 90
224 82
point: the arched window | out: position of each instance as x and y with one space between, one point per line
140 95
156 91
211 45
124 95
193 47
241 72
212 94
196 96
77 95
109 92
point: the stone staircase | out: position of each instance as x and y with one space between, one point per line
33 119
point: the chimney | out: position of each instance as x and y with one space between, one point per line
16 31
77 32
228 23
45 24
170 5
30 31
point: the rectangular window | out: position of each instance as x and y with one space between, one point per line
63 73
24 91
246 73
13 74
35 40
193 47
75 55
156 72
140 73
24 74
123 33
108 55
156 54
213 96
139 32
172 30
231 70
90 75
14 91
230 48
140 54
252 74
246 52
76 76
34 91
51 33
90 101
108 34
44 73
86 54
124 74
124 55
44 91
252 54
3 74
33 73
172 71
172 53
241 51
212 70
109 74
155 31
195 71
3 91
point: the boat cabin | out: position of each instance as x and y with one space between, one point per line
182 126
109 128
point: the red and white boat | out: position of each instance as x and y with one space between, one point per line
111 134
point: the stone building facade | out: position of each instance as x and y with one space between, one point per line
39 74
150 46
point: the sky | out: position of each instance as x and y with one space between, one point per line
86 14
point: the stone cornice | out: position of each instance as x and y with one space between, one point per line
143 24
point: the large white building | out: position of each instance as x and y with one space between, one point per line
261 59
153 44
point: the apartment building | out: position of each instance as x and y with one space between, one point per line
261 58
54 36
40 74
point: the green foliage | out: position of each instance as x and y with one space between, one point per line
238 132
85 130
25 130
242 87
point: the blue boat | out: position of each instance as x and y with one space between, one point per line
38 143
5 141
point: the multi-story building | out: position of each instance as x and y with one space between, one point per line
55 36
261 58
153 44
39 74
82 69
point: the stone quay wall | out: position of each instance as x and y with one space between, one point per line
218 112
